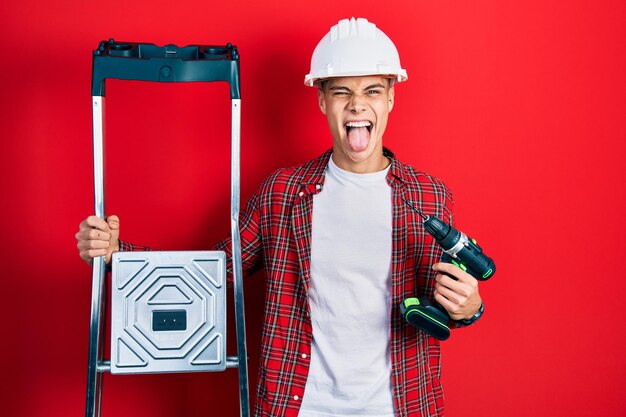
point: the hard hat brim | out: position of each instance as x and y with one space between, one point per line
315 80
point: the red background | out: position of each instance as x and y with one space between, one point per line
518 106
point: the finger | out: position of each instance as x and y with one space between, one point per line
93 234
92 253
452 296
114 222
452 284
92 244
446 280
94 222
450 307
453 271
463 289
455 310
96 234
446 268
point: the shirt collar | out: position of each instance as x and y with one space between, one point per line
397 175
315 171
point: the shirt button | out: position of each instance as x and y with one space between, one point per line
304 356
295 397
301 193
318 187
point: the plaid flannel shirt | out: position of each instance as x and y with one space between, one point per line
276 233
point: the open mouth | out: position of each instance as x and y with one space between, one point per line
358 134
358 125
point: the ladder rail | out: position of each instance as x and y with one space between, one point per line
96 344
237 261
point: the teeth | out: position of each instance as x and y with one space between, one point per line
358 124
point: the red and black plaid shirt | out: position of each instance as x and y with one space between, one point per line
276 233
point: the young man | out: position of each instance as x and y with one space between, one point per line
341 250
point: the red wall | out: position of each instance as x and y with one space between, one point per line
518 106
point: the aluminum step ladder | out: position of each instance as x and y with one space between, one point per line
170 63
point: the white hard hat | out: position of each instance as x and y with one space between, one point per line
354 47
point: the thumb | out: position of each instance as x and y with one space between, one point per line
114 222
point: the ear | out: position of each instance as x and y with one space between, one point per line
321 100
392 97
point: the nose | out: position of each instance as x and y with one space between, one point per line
357 104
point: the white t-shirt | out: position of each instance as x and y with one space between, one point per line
349 295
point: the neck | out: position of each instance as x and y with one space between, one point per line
374 163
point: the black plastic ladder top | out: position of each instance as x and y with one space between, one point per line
169 63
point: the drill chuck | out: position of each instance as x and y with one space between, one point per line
441 232
460 250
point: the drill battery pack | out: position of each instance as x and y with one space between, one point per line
425 316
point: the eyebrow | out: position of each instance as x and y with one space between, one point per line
339 87
377 85
369 87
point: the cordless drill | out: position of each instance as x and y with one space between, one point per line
459 250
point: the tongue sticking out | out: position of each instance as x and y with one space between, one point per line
358 138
